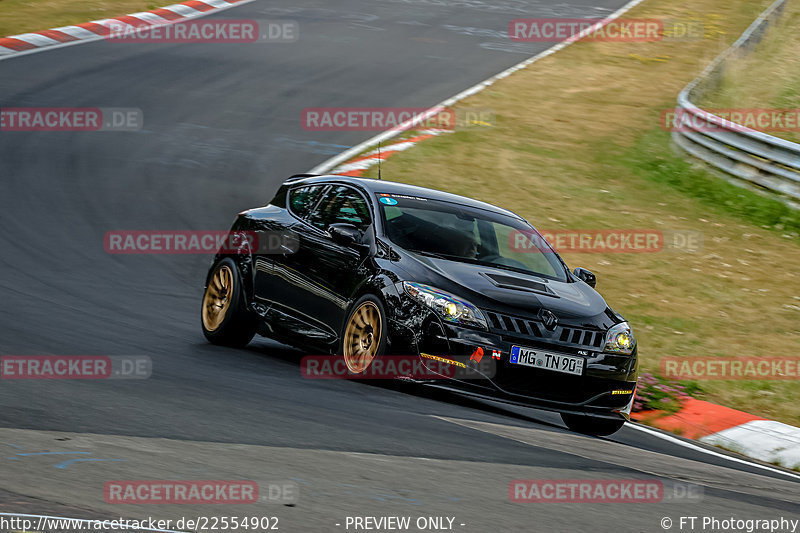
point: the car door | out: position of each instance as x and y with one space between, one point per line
334 271
280 278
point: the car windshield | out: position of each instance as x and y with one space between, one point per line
469 235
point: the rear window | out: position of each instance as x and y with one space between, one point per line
302 199
341 205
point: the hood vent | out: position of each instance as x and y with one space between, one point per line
520 284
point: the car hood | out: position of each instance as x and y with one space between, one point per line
506 290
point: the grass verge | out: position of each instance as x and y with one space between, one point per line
577 144
22 16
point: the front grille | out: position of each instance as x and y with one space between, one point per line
526 328
585 337
514 326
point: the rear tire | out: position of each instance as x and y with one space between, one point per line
363 337
224 317
588 425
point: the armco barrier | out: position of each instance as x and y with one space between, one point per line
750 155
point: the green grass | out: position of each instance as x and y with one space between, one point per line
649 160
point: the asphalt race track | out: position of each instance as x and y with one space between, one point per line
221 130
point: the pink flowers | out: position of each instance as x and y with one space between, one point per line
662 394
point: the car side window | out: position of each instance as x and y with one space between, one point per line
342 205
302 199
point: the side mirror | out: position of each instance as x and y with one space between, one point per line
586 276
346 234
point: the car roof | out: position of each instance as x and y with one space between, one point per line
392 187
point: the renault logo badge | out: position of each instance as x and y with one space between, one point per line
549 320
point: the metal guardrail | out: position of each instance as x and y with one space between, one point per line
748 154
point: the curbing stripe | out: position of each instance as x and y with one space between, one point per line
692 446
148 16
75 31
16 45
95 27
198 5
696 419
166 14
765 440
357 165
58 35
36 39
749 435
130 20
216 3
182 10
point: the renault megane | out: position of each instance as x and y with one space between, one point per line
373 268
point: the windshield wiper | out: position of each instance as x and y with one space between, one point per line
439 255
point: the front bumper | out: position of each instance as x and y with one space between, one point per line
591 393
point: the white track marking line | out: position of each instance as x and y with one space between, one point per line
680 442
326 166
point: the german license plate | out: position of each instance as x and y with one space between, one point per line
568 364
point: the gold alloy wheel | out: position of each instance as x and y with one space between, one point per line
217 299
362 337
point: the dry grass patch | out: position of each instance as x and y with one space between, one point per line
767 77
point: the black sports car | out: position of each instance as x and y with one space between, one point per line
366 268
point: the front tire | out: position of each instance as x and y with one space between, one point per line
224 317
364 335
588 425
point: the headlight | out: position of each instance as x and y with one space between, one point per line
620 339
447 306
